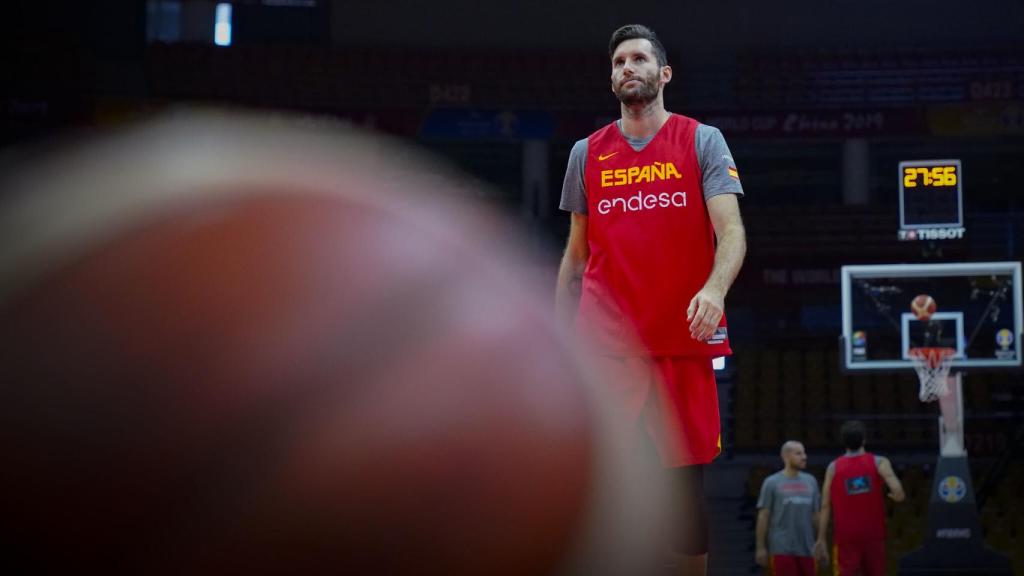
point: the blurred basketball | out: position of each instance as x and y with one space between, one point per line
239 346
923 306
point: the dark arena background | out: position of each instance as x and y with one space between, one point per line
820 101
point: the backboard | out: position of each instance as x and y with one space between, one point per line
979 314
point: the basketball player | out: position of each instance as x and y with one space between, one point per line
650 194
787 515
853 486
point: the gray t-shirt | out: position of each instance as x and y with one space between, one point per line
791 503
713 156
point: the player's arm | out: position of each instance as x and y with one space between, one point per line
821 544
816 515
570 272
577 250
764 506
761 552
706 307
891 480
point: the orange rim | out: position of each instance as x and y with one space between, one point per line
931 355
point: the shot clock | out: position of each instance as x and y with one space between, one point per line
931 200
940 176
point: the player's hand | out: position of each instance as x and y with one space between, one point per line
761 557
821 552
704 313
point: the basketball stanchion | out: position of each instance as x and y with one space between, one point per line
954 540
932 365
943 320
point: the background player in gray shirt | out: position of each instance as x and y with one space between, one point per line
787 514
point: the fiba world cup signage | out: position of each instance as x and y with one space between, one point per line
952 489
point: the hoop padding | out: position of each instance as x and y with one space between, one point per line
932 366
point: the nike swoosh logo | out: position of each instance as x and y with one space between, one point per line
603 157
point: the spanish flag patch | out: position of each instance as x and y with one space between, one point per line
733 173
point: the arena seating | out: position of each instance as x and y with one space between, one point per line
802 394
868 78
376 77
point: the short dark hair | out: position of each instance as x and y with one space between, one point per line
853 433
634 32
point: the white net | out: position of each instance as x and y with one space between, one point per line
932 366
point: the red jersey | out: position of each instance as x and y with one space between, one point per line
856 492
652 244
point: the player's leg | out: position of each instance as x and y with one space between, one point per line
682 411
783 565
685 541
692 527
628 381
847 558
805 565
789 565
874 558
682 416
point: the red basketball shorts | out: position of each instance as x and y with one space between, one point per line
786 565
674 399
865 557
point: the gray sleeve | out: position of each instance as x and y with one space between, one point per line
767 492
816 490
574 192
716 163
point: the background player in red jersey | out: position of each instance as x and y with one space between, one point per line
655 242
853 487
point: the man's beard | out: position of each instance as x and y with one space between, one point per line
643 94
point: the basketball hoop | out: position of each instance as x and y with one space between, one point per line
932 365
